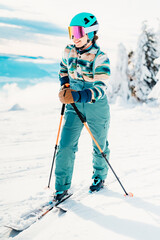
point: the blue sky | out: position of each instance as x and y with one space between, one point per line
45 22
21 67
6 7
39 27
16 28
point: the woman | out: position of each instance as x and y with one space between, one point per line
85 69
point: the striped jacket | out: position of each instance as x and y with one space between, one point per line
91 65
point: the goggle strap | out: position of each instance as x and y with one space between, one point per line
92 28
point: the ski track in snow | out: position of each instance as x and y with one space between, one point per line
27 145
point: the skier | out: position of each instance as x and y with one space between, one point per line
85 69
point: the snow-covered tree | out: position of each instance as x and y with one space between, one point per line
143 77
155 93
120 84
131 71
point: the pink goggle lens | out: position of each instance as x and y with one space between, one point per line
76 32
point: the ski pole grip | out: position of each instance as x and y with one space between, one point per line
78 112
62 110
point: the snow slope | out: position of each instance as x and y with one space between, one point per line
28 135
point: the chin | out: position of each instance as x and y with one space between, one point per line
78 45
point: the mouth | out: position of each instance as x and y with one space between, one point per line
77 41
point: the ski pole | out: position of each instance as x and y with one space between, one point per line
104 156
62 113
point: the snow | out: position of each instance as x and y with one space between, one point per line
155 93
29 118
144 70
16 107
27 145
119 80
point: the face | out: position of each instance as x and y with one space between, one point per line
81 41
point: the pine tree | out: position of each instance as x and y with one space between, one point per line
131 72
155 93
143 78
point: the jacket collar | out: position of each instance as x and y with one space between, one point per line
91 49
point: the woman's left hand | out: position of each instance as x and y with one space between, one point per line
65 96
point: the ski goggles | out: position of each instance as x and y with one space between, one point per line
79 32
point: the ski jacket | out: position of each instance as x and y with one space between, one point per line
90 66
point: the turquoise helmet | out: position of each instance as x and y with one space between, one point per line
86 20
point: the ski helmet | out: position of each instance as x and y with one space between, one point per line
86 20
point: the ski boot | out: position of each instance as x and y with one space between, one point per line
58 196
96 185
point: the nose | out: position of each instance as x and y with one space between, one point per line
75 38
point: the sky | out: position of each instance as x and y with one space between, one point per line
39 27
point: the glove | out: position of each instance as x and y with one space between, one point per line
65 96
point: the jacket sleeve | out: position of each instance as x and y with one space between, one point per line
101 76
63 73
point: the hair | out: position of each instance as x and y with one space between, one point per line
95 37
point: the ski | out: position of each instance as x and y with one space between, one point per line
28 219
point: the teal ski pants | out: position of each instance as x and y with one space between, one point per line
97 116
